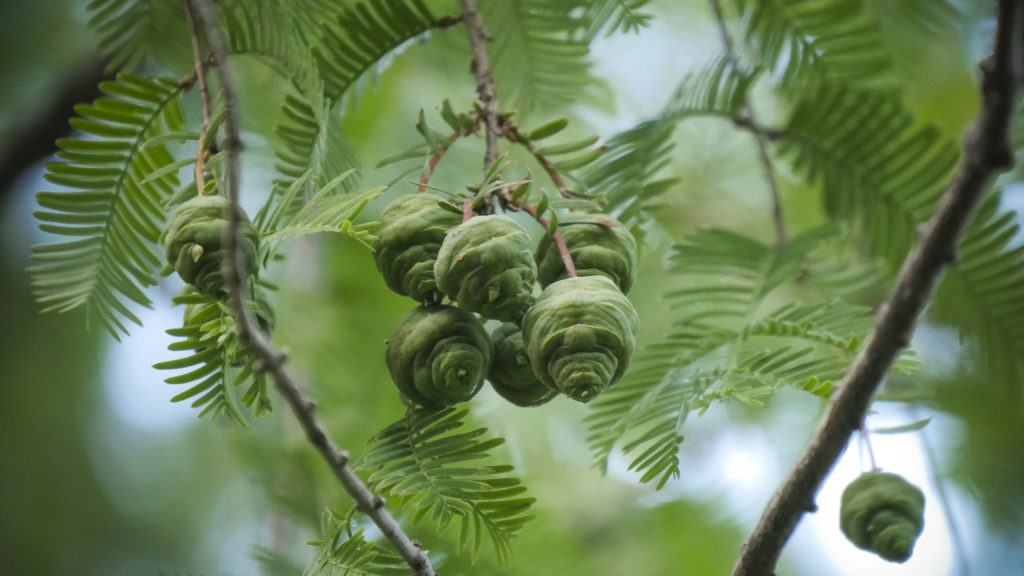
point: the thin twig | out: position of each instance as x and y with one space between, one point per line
425 176
770 134
760 134
781 238
865 437
272 359
563 250
513 133
987 150
204 95
939 484
484 80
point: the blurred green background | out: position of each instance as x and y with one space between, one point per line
101 475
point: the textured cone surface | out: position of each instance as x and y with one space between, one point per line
193 242
511 373
580 335
438 356
486 265
598 244
882 513
410 234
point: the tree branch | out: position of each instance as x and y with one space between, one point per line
987 150
204 96
33 138
749 122
484 80
271 358
563 250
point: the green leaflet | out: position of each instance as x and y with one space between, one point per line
511 373
741 331
359 37
141 33
539 55
432 463
215 364
882 513
580 336
617 15
345 552
802 41
598 244
438 356
486 265
112 217
411 231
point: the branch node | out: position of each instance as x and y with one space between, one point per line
445 22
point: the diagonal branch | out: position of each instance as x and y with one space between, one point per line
987 151
31 136
484 80
271 358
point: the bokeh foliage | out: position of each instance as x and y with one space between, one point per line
677 164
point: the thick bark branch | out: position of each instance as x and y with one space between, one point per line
484 79
273 360
987 150
33 139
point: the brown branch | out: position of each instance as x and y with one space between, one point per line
425 176
32 137
272 359
563 250
513 133
749 121
769 134
484 80
204 95
987 150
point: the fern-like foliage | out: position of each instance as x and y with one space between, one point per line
112 219
884 172
617 15
874 162
732 341
537 54
140 33
345 552
940 19
801 41
720 87
361 36
627 173
429 461
311 135
983 293
312 142
326 211
217 364
269 32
